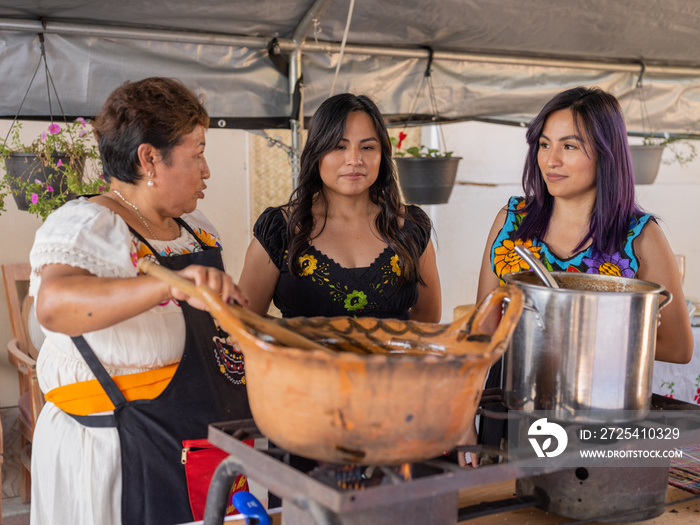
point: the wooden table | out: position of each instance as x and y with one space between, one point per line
677 514
681 513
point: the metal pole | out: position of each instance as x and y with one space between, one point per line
314 13
289 45
296 125
131 33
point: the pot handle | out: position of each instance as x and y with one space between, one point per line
668 298
509 319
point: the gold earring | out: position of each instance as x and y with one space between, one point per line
150 179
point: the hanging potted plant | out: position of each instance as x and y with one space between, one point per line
646 157
58 165
426 176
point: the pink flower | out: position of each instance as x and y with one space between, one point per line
102 189
54 128
50 188
81 120
37 181
82 133
102 176
43 136
59 163
35 198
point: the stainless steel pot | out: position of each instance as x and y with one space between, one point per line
586 350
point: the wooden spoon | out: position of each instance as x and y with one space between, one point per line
232 317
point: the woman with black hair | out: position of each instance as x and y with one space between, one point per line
344 244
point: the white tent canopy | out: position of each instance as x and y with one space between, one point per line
490 60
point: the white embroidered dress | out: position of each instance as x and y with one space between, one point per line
76 470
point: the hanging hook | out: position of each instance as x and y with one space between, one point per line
641 74
429 67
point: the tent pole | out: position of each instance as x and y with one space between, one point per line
289 45
296 87
296 124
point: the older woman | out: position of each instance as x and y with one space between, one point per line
116 338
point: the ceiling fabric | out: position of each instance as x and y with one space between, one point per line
497 61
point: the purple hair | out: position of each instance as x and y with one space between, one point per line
598 115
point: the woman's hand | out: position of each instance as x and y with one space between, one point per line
219 282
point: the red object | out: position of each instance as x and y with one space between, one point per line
201 459
402 136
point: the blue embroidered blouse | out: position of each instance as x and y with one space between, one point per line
504 259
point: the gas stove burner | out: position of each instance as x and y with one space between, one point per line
428 492
360 477
355 477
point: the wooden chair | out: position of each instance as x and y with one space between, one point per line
22 355
16 278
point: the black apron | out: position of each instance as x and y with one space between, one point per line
208 386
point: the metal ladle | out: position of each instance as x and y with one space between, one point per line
536 265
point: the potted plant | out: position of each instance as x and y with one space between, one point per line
426 176
646 157
58 165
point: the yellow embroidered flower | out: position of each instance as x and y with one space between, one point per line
507 261
308 265
609 268
208 238
395 266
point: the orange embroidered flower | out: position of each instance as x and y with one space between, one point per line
142 250
208 238
506 260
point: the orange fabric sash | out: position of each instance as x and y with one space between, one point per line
88 397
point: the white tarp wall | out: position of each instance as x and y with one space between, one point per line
494 60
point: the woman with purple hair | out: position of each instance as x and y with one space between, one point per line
579 213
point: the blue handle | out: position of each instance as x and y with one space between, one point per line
250 507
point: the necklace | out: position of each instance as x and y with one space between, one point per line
143 219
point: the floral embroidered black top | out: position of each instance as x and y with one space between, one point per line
504 259
325 288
